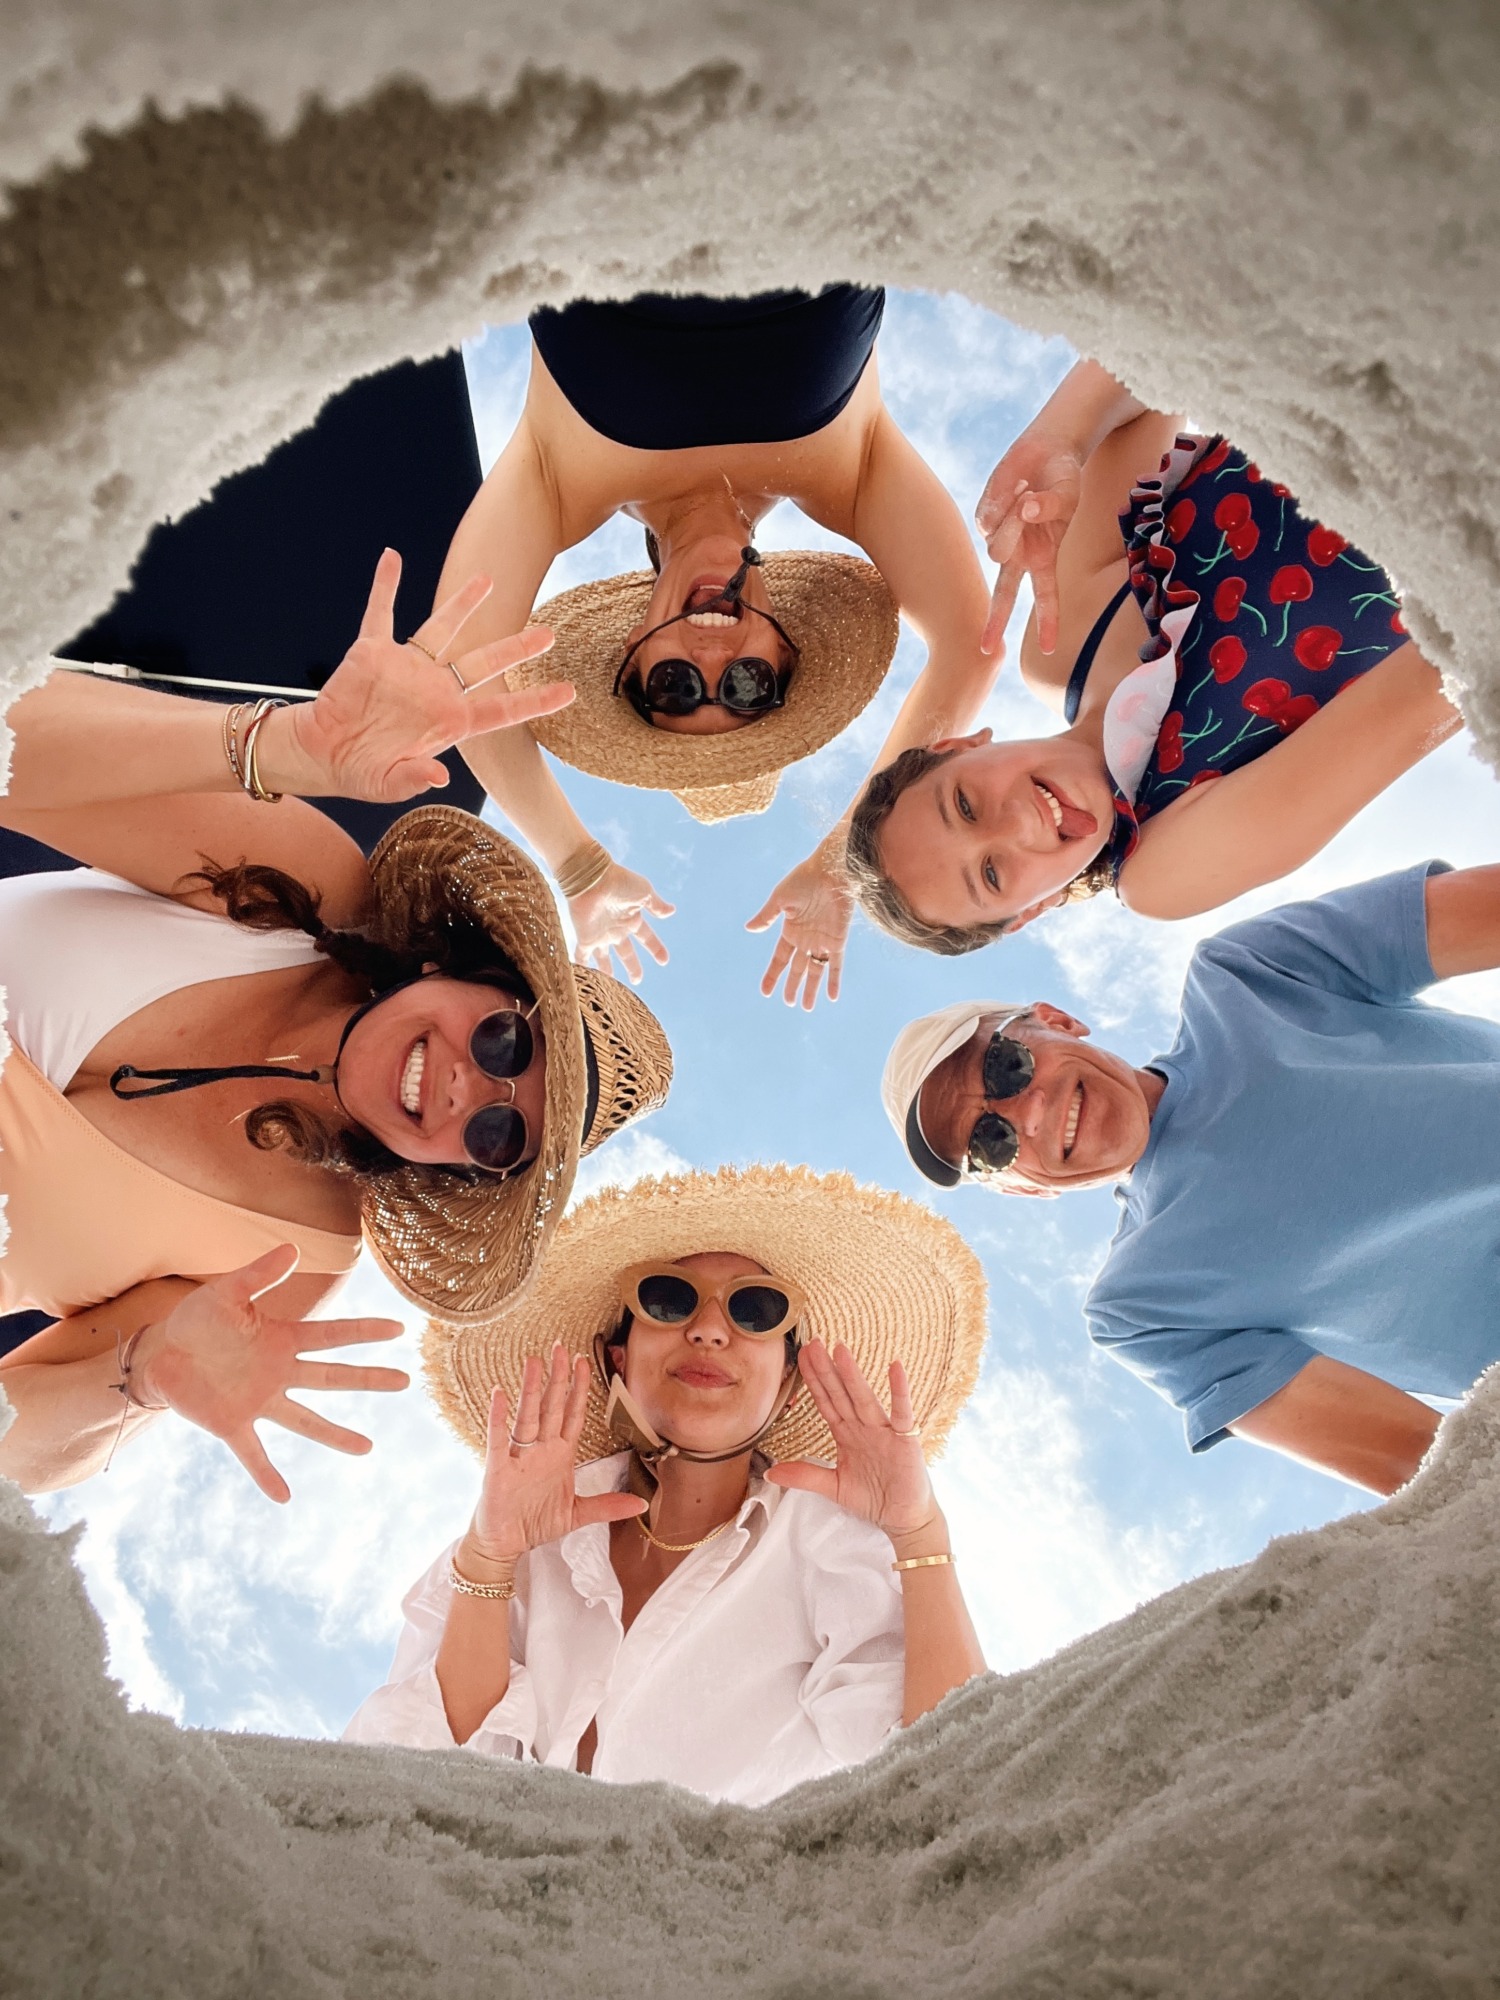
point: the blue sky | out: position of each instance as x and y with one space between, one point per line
1070 1491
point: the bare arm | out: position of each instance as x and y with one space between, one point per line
942 1648
1260 822
1346 1422
1463 921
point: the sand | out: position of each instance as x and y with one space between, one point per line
1280 1780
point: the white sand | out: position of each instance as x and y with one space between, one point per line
1282 1780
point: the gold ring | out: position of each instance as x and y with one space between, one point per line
463 686
423 649
820 957
914 1432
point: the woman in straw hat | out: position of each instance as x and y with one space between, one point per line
708 673
704 1550
404 1041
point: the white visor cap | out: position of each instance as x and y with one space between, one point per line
915 1054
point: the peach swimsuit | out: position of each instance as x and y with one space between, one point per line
80 952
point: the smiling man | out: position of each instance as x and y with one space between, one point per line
1309 1179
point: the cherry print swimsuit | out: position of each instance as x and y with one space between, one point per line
1256 618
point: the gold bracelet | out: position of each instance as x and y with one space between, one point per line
251 779
922 1562
232 720
584 870
466 1587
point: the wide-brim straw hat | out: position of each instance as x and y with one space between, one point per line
461 1244
881 1273
836 607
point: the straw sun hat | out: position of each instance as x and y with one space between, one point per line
459 1244
881 1273
836 607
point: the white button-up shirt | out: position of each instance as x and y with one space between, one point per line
772 1654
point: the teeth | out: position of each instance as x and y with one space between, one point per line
1052 802
1075 1111
411 1078
711 618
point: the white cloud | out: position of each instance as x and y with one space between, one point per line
631 1157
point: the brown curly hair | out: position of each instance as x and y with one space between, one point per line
884 904
267 899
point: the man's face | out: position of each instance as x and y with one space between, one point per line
998 831
1082 1121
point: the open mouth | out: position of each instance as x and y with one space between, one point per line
1070 1123
1070 821
705 592
413 1070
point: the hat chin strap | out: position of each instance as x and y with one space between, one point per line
632 1430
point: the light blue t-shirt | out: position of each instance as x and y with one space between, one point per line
1323 1170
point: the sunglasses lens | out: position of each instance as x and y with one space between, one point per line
758 1308
495 1137
501 1045
674 687
748 686
1009 1067
667 1300
993 1144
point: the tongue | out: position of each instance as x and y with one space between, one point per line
1077 824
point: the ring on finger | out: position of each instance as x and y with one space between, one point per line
523 1444
423 649
820 957
463 685
914 1432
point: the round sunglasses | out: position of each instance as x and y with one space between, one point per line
748 685
760 1306
1008 1069
502 1045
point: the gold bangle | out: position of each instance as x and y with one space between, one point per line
251 779
466 1587
922 1562
584 870
232 720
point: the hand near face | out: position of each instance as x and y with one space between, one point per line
223 1362
881 1475
378 727
611 917
815 905
1023 514
527 1498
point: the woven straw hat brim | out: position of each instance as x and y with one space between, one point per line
881 1273
836 607
457 1246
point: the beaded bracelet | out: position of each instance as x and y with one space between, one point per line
466 1587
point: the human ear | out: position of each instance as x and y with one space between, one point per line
975 742
1032 910
1060 1023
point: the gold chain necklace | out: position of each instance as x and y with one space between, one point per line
681 1548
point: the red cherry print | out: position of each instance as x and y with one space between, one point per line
1317 647
1233 511
1181 519
1242 541
1323 544
1211 461
1291 585
1228 598
1169 750
1292 714
1253 473
1396 624
1202 778
1282 492
1266 697
1227 657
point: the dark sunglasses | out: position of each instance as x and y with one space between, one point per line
994 1142
747 686
502 1045
759 1306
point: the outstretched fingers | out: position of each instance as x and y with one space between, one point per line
577 1406
864 1404
438 632
320 1429
315 1334
827 1391
781 958
251 1453
806 1476
380 605
344 1375
555 1393
591 1508
1002 603
903 1417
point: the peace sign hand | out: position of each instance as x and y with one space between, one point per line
881 1474
1023 514
223 1363
388 711
528 1496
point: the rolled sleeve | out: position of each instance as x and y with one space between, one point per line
1213 1376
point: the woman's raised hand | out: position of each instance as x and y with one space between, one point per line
388 711
612 917
222 1362
1023 513
881 1474
527 1497
815 905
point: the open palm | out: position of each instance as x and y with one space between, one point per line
388 711
223 1362
527 1498
815 904
881 1474
612 917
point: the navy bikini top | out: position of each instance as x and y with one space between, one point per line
1078 679
668 374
